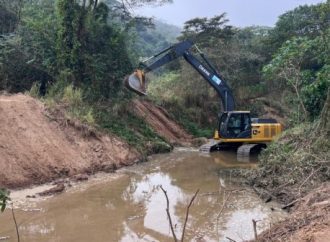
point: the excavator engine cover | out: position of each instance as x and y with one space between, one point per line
136 82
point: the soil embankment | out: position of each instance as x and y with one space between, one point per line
37 146
34 148
309 221
161 122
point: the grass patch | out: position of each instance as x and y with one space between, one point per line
188 119
131 128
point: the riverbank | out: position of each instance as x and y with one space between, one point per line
40 145
295 171
36 148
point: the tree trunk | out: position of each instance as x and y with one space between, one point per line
324 126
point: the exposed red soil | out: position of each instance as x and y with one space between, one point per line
309 221
34 148
160 121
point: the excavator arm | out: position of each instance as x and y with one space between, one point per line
136 81
236 128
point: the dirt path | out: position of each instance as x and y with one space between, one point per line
35 150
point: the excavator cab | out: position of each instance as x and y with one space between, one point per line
235 125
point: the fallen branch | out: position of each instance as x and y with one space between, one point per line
310 175
291 204
187 214
168 214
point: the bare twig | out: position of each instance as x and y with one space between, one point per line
222 208
168 214
223 205
187 214
310 175
291 203
231 240
14 218
254 222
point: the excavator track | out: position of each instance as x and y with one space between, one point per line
206 148
247 149
243 150
210 146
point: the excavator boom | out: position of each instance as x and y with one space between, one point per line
136 81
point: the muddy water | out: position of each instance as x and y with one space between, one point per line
129 206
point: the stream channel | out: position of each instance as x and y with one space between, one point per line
130 206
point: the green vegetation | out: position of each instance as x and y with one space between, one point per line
301 156
4 197
122 122
76 54
284 68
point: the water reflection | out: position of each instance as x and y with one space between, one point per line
132 207
147 191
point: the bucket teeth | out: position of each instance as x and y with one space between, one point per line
136 82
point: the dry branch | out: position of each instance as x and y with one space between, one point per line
14 218
168 214
254 222
187 214
231 240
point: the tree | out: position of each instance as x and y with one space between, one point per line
205 31
303 59
303 21
67 41
287 64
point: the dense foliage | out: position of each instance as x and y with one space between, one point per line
283 68
87 47
77 53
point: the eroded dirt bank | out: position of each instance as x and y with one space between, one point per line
309 220
160 121
34 148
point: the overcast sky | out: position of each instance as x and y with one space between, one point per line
240 12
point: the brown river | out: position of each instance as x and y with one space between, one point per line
130 206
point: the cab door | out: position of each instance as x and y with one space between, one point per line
235 125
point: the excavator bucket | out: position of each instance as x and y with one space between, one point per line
136 82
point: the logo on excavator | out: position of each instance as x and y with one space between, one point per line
216 80
204 70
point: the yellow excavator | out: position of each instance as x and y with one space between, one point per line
235 128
